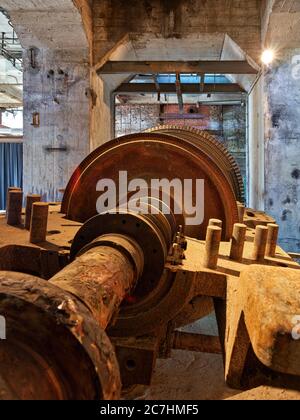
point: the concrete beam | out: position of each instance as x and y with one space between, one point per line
12 92
187 88
213 67
10 139
179 93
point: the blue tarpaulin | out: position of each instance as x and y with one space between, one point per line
11 169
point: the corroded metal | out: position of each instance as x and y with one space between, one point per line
214 149
151 156
197 343
137 277
146 231
55 349
103 275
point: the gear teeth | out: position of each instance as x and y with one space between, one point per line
228 162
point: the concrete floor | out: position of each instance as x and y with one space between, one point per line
197 376
191 376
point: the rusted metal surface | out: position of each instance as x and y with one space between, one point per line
238 241
261 345
137 358
213 239
55 350
138 277
102 276
253 218
197 343
14 207
30 200
151 156
39 222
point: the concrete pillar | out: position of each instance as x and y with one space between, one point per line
56 119
103 107
282 162
256 147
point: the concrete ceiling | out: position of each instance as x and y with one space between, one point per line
53 24
283 30
188 99
286 6
139 47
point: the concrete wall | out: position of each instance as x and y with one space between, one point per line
57 90
56 45
282 122
282 165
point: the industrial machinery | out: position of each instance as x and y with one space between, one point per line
91 300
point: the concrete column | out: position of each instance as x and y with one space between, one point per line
256 147
103 107
282 89
56 119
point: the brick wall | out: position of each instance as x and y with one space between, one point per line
240 19
227 123
131 119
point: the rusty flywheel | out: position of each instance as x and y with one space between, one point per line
157 155
215 149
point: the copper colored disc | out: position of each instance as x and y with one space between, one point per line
151 156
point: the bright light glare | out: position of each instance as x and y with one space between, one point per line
267 56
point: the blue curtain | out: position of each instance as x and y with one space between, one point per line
11 169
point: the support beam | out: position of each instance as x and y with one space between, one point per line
10 105
179 93
220 67
11 139
12 92
186 88
202 82
157 87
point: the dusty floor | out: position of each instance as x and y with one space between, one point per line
191 376
196 376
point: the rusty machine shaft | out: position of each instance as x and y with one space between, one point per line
90 310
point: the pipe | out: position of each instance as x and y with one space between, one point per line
102 275
197 343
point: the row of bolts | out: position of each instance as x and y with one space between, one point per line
36 214
265 241
36 220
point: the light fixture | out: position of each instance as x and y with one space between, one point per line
268 56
